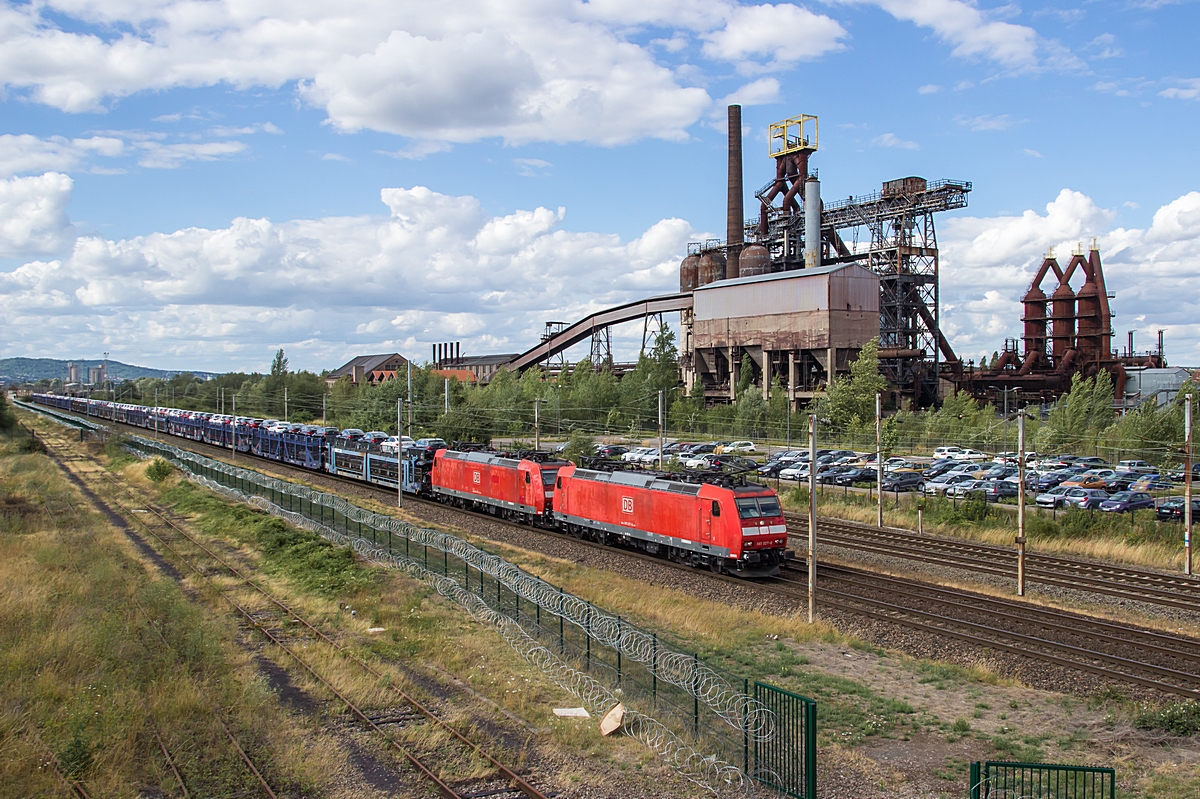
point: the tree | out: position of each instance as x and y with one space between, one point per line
279 366
850 400
8 420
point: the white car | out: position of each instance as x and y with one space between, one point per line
738 446
947 481
649 456
634 455
969 454
699 462
798 471
946 452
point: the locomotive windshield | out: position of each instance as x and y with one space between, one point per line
755 507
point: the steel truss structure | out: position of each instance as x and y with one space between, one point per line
892 233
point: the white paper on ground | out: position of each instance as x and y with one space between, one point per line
572 713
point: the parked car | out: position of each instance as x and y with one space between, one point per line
1088 480
1151 482
902 481
829 474
1056 497
611 451
996 490
1086 498
1092 462
1171 510
735 447
1125 501
632 455
965 488
650 456
1179 474
1135 466
969 454
946 452
941 485
854 476
796 471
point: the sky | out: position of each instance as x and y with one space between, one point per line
190 184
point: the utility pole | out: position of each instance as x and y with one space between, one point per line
156 413
285 411
446 395
323 398
879 458
233 449
410 410
399 453
1187 485
812 516
537 428
660 430
1021 503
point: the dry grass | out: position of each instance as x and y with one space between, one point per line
85 680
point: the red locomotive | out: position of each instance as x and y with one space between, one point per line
509 487
738 528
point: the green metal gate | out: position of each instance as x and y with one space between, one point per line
1041 781
787 760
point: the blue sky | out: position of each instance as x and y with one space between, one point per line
194 184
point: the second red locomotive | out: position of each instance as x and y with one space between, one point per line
738 529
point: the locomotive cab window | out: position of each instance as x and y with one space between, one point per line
769 506
748 508
527 477
560 482
716 508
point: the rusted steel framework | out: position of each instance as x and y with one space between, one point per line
892 233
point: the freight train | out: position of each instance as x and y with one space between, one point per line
715 521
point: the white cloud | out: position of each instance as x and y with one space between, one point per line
987 264
528 167
156 155
33 215
520 71
969 30
433 267
335 157
25 153
1031 153
778 35
1189 89
763 91
929 88
892 140
988 122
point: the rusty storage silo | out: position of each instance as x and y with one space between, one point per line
1035 303
712 267
689 273
755 260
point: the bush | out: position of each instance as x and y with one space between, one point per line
1179 718
159 470
8 419
579 446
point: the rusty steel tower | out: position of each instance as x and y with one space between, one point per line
891 232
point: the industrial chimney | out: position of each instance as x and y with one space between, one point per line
734 224
812 222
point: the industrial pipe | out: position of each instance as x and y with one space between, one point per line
812 223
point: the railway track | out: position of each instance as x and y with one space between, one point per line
1124 653
277 623
1125 582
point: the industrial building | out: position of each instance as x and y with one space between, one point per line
369 369
795 326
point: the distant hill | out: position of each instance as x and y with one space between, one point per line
17 370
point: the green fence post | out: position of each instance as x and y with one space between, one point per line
975 778
696 694
810 750
588 636
561 643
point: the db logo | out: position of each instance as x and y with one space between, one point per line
626 504
475 478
